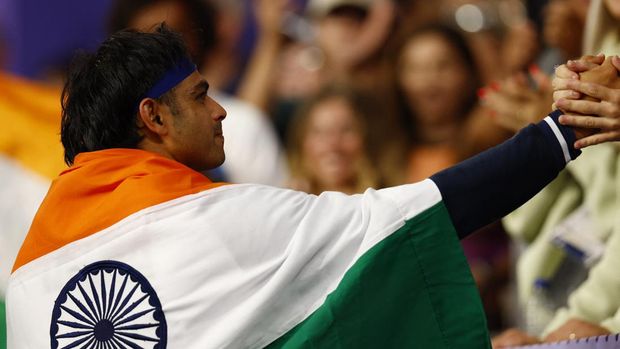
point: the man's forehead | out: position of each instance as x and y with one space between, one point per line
195 82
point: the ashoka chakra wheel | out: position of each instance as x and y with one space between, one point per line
108 304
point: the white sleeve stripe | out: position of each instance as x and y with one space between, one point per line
560 138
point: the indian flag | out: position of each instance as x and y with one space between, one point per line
30 156
133 250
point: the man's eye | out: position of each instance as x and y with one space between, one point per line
201 96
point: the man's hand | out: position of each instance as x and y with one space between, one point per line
573 329
513 337
598 110
570 71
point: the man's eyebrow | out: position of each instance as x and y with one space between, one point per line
202 86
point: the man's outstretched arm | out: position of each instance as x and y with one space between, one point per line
493 183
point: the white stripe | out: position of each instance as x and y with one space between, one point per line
560 138
234 267
426 194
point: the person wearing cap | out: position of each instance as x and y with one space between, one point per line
134 247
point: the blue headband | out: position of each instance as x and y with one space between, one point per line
171 78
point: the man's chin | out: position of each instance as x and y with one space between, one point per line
211 164
221 162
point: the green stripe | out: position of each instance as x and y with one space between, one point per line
412 290
2 325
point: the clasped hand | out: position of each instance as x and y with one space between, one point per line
587 91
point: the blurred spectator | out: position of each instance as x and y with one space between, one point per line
194 20
329 144
578 211
516 103
502 37
563 30
437 82
350 33
222 65
601 33
339 41
412 14
246 128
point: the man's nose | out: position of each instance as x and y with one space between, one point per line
219 113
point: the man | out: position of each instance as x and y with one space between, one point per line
199 22
133 247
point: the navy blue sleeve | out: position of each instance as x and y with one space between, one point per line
490 185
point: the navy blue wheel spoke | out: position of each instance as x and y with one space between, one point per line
74 334
75 324
128 343
133 317
111 298
118 343
76 315
136 336
125 301
135 327
130 308
95 296
89 343
120 295
89 302
82 307
77 342
112 344
103 295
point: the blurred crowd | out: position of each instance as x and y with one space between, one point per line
344 95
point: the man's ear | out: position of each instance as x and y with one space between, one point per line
149 116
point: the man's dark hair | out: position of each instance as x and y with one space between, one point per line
103 90
200 14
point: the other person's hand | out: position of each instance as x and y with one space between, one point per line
599 107
513 337
514 104
573 329
570 71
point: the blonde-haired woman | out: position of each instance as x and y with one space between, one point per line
329 144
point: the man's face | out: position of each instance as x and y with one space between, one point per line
195 136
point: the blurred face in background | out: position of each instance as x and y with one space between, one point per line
174 13
332 145
613 6
434 79
339 26
564 23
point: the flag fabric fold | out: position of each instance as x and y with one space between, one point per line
131 249
237 266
